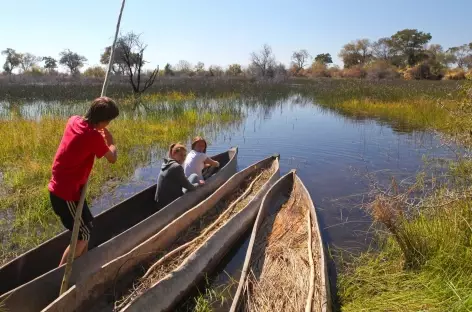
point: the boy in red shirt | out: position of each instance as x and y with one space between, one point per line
84 139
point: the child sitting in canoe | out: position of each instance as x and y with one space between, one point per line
197 160
85 138
172 179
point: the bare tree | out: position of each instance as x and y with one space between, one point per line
462 55
132 55
183 67
300 59
216 71
28 60
200 68
264 60
382 49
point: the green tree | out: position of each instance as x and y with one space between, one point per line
12 60
50 63
119 66
358 52
409 44
72 61
168 70
234 70
324 58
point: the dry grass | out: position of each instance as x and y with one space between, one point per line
197 234
280 267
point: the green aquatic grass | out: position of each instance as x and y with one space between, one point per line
405 105
442 239
423 259
28 148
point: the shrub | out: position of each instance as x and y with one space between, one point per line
335 72
417 72
319 70
455 74
35 71
468 75
95 72
354 72
381 70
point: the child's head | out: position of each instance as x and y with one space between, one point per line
178 152
101 112
199 144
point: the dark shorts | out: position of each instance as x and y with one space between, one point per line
66 211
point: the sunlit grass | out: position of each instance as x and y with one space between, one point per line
405 105
28 147
423 260
441 239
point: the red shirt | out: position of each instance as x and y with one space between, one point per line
79 146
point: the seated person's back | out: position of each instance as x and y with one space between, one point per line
172 179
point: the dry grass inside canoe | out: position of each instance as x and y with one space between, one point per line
198 232
281 271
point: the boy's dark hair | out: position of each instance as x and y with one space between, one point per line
102 109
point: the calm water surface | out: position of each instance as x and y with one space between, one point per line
331 153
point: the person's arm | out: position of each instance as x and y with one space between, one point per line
111 155
211 162
182 179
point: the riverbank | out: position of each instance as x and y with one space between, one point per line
424 235
30 139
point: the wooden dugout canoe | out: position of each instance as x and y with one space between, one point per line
285 190
83 296
32 281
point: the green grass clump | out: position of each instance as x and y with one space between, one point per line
423 261
423 264
29 145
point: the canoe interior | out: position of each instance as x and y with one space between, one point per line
164 295
277 196
106 225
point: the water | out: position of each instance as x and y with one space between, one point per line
331 153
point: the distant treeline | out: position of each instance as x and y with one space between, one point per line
407 54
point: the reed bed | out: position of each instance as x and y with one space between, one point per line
197 234
282 265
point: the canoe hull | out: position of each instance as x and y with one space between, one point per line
88 290
164 295
44 289
272 199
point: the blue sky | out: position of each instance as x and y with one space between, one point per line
224 32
